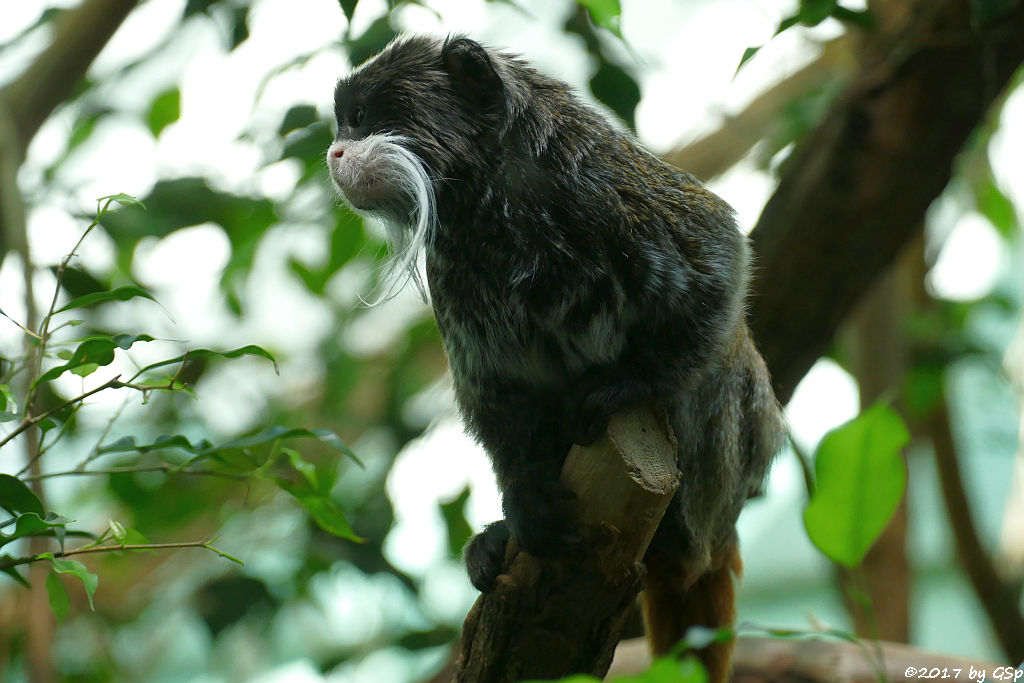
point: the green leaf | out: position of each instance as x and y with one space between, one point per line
88 579
605 13
59 602
813 12
122 199
16 496
459 530
239 26
166 109
996 207
348 7
91 353
120 294
127 444
325 436
7 398
322 509
861 18
250 350
32 524
861 476
615 87
669 670
984 12
748 54
13 571
298 117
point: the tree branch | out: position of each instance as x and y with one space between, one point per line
549 618
718 151
999 598
80 35
856 190
813 660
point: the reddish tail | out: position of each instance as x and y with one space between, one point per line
674 601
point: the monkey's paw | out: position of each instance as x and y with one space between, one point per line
485 555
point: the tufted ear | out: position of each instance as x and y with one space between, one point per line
471 71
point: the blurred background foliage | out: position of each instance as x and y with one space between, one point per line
242 241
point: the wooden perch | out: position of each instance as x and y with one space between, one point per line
814 660
550 618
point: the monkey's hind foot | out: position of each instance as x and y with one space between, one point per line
485 555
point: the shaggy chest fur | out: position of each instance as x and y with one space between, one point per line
521 312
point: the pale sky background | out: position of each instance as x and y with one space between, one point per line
688 53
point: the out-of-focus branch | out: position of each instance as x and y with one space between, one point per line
721 149
999 598
811 660
856 190
80 35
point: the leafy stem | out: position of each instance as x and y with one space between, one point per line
208 545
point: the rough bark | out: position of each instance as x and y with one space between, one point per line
856 190
550 618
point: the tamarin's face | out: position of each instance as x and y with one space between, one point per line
415 112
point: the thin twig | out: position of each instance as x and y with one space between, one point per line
162 467
7 564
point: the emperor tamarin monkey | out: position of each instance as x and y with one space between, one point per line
572 273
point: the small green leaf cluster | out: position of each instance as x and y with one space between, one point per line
263 454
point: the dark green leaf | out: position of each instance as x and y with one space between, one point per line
861 18
322 509
166 109
194 354
198 6
127 444
813 12
184 202
16 496
46 424
91 353
861 476
984 12
748 54
78 282
325 436
59 602
459 530
239 26
924 387
348 7
421 640
120 294
31 524
88 579
996 207
371 41
614 86
12 571
787 23
299 116
6 398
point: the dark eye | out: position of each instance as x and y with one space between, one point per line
356 116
